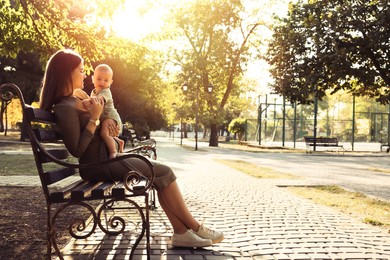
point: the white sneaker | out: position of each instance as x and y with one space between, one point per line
189 239
205 232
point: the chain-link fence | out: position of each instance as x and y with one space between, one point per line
350 120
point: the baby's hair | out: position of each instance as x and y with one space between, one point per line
104 67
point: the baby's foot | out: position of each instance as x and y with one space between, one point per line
121 145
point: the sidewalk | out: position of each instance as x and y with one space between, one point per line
260 220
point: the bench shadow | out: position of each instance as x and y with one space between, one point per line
110 247
102 246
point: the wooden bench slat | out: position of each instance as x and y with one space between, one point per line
62 194
39 115
83 191
118 190
53 176
60 153
100 191
47 135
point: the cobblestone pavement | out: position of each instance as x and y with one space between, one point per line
259 219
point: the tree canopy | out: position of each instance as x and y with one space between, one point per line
217 39
32 30
332 45
215 36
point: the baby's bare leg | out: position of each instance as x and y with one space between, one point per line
121 144
108 140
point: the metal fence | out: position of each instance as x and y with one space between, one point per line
350 120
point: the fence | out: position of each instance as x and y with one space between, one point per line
349 119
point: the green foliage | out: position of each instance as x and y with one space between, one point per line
329 45
215 49
137 87
33 30
46 26
237 126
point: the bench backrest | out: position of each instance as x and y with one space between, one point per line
129 136
45 142
321 140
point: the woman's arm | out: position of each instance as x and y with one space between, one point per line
76 132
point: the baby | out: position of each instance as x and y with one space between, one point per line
102 80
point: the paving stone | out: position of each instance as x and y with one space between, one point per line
259 219
320 257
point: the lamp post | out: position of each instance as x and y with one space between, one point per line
181 131
209 89
173 125
184 88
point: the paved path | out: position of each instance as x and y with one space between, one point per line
368 173
259 219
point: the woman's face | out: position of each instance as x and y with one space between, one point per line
78 77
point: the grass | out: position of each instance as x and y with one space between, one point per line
379 170
22 164
257 171
234 145
371 211
192 148
368 210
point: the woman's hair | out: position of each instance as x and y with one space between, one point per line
58 77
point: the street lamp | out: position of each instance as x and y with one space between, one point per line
184 88
209 89
173 125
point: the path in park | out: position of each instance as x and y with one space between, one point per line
260 220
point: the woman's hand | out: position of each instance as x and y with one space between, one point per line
94 107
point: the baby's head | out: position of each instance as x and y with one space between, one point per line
102 77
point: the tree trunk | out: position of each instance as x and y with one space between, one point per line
2 113
185 130
23 133
213 135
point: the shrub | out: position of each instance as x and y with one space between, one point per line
237 126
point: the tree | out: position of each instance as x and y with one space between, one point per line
216 51
332 45
44 26
32 30
137 89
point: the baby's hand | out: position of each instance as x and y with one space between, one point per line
94 106
87 103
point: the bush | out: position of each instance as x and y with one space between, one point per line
237 126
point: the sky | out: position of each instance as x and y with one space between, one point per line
130 22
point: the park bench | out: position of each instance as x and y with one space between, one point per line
146 147
385 145
103 202
322 142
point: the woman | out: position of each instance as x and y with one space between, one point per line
78 126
